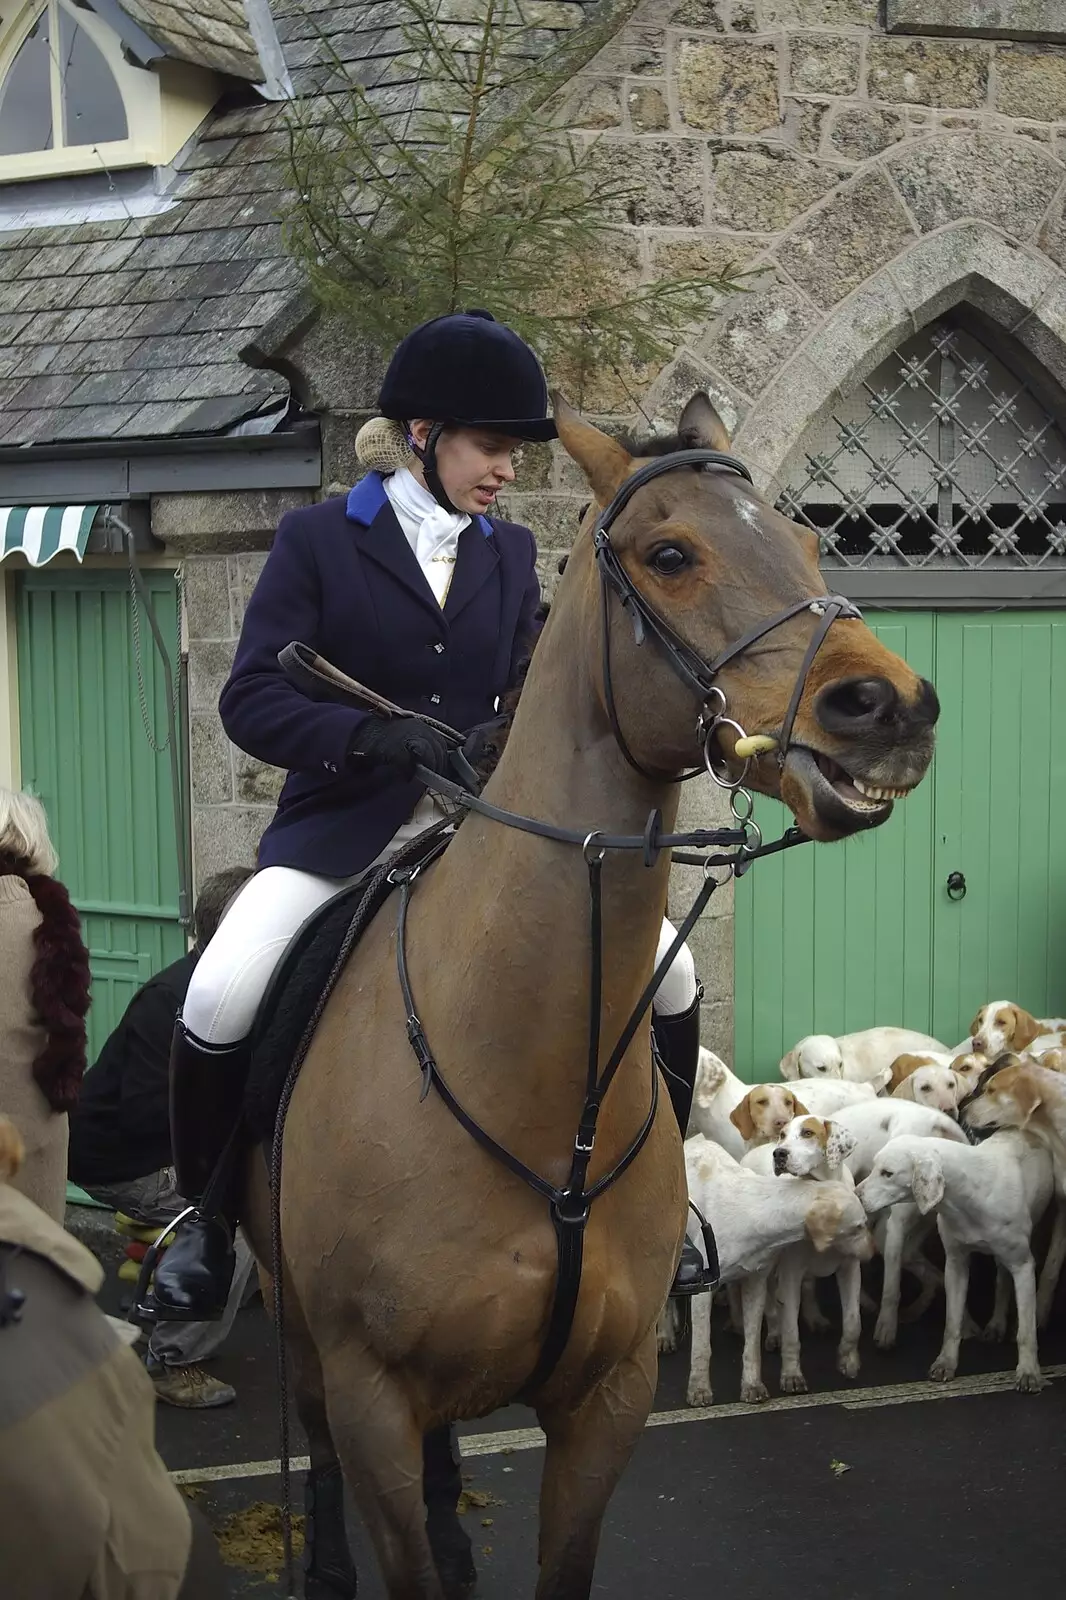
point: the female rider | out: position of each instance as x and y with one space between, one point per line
408 586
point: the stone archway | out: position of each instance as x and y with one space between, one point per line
1016 286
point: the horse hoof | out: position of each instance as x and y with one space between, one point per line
458 1575
325 1589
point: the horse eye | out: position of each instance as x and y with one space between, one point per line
668 559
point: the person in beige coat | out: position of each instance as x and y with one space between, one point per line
44 998
88 1510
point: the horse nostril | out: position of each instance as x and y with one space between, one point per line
928 708
865 700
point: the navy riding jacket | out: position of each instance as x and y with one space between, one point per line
342 578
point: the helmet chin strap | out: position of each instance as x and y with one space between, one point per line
427 456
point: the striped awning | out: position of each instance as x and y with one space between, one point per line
41 532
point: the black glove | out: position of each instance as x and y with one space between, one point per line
403 743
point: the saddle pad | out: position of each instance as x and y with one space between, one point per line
301 978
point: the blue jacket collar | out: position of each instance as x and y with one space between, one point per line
368 496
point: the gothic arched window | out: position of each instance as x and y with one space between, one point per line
941 458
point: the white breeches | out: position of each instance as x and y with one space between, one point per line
231 976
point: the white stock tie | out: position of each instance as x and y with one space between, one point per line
432 532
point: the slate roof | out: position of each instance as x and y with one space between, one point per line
209 33
133 328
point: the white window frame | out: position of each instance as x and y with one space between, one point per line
140 91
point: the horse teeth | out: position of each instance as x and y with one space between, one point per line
872 792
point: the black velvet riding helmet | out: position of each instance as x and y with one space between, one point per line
470 371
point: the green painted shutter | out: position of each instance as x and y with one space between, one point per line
107 793
837 937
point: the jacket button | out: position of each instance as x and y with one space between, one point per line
329 766
439 648
434 699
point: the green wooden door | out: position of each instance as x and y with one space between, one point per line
833 938
107 793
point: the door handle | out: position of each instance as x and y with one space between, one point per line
956 886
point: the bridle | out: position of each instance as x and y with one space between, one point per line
699 675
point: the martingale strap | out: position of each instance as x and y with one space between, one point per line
571 1203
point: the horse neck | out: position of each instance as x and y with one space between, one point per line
562 765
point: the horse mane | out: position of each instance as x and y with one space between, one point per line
493 747
638 446
641 446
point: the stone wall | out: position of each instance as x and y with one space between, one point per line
865 182
222 540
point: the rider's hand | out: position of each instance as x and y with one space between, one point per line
402 743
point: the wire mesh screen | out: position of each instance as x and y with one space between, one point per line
940 458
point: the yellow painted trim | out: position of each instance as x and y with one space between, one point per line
164 104
10 745
187 95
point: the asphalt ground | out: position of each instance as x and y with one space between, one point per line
885 1487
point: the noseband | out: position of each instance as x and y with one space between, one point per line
699 675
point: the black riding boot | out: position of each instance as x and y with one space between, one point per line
193 1278
677 1040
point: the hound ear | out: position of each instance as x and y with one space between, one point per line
927 1183
823 1220
881 1080
798 1108
839 1145
902 1068
976 1023
710 1079
740 1117
1029 1100
790 1066
602 459
701 427
904 1089
1026 1029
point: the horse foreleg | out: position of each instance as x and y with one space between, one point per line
380 1446
329 1571
587 1452
442 1484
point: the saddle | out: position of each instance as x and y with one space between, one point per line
308 972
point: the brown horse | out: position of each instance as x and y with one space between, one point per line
419 1272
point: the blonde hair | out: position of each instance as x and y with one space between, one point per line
24 832
381 446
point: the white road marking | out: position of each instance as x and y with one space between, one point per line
492 1444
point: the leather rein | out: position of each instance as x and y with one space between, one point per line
733 849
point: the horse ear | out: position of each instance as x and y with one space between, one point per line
701 427
603 460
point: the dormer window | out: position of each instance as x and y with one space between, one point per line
59 91
75 99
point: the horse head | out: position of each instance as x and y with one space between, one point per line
845 733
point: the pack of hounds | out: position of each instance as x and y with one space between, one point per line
870 1144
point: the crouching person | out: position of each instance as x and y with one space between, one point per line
120 1149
